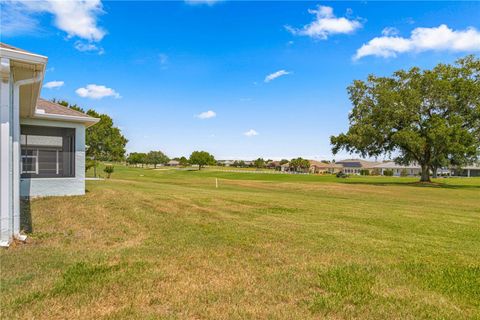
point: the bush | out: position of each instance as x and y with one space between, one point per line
341 175
364 172
376 172
108 170
89 163
403 173
388 173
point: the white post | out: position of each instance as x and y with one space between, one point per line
16 164
5 154
216 183
468 173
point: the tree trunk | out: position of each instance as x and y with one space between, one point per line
154 166
434 172
95 168
425 174
199 167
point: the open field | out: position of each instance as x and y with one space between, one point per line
168 244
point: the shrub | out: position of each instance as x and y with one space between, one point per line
376 172
341 175
388 173
89 164
364 172
108 170
403 173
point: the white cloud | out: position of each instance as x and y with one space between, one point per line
94 91
276 75
200 2
326 24
163 59
390 31
53 84
440 38
14 21
251 133
76 18
207 115
88 47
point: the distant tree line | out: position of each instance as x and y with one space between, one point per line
155 158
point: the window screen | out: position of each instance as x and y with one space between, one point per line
47 152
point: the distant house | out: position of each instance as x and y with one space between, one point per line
173 163
42 144
227 163
285 167
274 165
412 169
354 166
472 170
319 167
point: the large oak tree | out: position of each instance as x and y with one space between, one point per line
431 117
201 158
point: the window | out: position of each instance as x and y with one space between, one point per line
47 152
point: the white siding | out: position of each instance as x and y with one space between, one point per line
40 187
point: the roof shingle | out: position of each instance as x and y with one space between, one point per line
50 107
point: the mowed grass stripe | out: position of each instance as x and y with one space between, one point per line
168 244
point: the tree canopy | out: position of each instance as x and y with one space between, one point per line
104 140
137 158
156 157
201 158
431 117
259 163
300 164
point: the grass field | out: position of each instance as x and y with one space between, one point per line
167 244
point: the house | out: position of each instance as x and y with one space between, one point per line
226 163
173 163
275 165
355 166
412 169
42 144
472 170
285 167
319 167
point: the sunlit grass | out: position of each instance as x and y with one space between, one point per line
169 244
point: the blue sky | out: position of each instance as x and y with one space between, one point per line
238 79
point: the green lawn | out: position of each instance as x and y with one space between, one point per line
168 244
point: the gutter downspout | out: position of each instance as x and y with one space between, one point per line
16 151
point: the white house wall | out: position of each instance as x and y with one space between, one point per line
41 187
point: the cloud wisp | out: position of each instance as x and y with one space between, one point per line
326 24
206 115
76 18
202 2
275 75
251 133
441 38
94 91
53 84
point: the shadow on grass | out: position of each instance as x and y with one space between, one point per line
414 184
25 216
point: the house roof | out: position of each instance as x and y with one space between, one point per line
357 163
324 165
21 55
393 165
54 111
7 46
